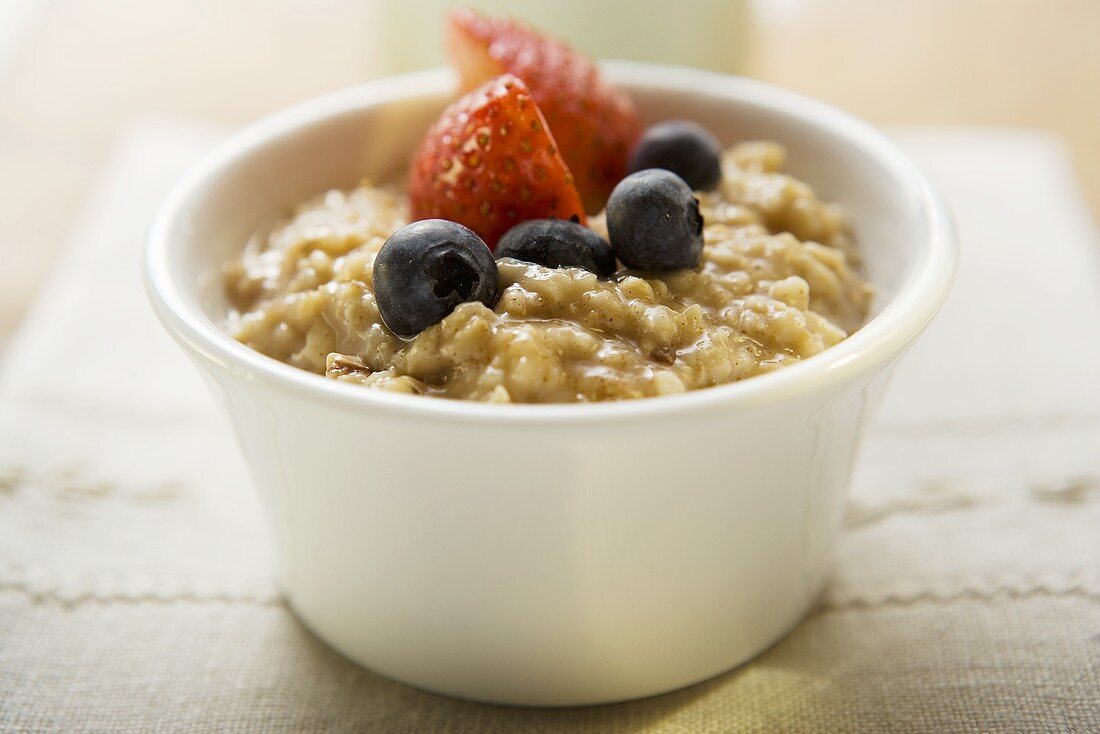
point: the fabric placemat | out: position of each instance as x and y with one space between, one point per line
137 590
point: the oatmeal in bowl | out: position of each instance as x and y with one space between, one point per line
706 267
539 539
778 281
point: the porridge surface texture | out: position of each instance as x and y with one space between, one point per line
778 282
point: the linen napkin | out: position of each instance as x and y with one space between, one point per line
126 515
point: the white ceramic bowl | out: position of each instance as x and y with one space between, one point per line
550 554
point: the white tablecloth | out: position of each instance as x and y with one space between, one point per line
136 586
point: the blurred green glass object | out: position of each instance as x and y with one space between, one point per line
710 34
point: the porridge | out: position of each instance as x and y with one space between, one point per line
777 281
484 277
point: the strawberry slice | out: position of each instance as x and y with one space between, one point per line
490 162
594 122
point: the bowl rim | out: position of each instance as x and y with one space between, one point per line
919 296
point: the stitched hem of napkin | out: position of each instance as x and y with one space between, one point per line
44 586
1082 582
48 586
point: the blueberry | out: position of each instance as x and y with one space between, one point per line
558 243
654 222
683 147
427 268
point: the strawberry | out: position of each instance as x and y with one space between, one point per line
594 122
490 162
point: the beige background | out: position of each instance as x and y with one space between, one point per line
967 597
75 75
